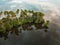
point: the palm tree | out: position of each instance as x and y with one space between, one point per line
17 11
3 32
34 16
7 14
39 17
25 10
41 14
13 15
23 16
1 13
46 25
23 13
2 27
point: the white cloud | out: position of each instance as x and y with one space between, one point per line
52 12
15 1
12 6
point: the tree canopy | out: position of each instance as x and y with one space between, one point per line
11 23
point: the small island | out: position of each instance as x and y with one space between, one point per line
21 18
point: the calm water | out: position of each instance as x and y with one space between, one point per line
52 37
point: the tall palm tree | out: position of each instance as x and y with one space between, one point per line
39 17
41 14
34 16
12 14
23 13
2 27
7 14
1 13
46 24
17 11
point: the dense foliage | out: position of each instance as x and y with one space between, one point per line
26 18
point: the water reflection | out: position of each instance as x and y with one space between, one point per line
52 37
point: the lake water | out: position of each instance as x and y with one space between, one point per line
38 37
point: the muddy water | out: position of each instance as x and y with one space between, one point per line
39 37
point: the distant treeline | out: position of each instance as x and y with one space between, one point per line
21 18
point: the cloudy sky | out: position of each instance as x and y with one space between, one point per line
27 4
50 7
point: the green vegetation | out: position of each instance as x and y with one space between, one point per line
26 19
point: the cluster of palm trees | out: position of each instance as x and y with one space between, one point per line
25 19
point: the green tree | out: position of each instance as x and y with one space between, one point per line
12 14
39 17
17 11
7 24
6 12
1 13
23 13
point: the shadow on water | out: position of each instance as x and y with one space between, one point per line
52 37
